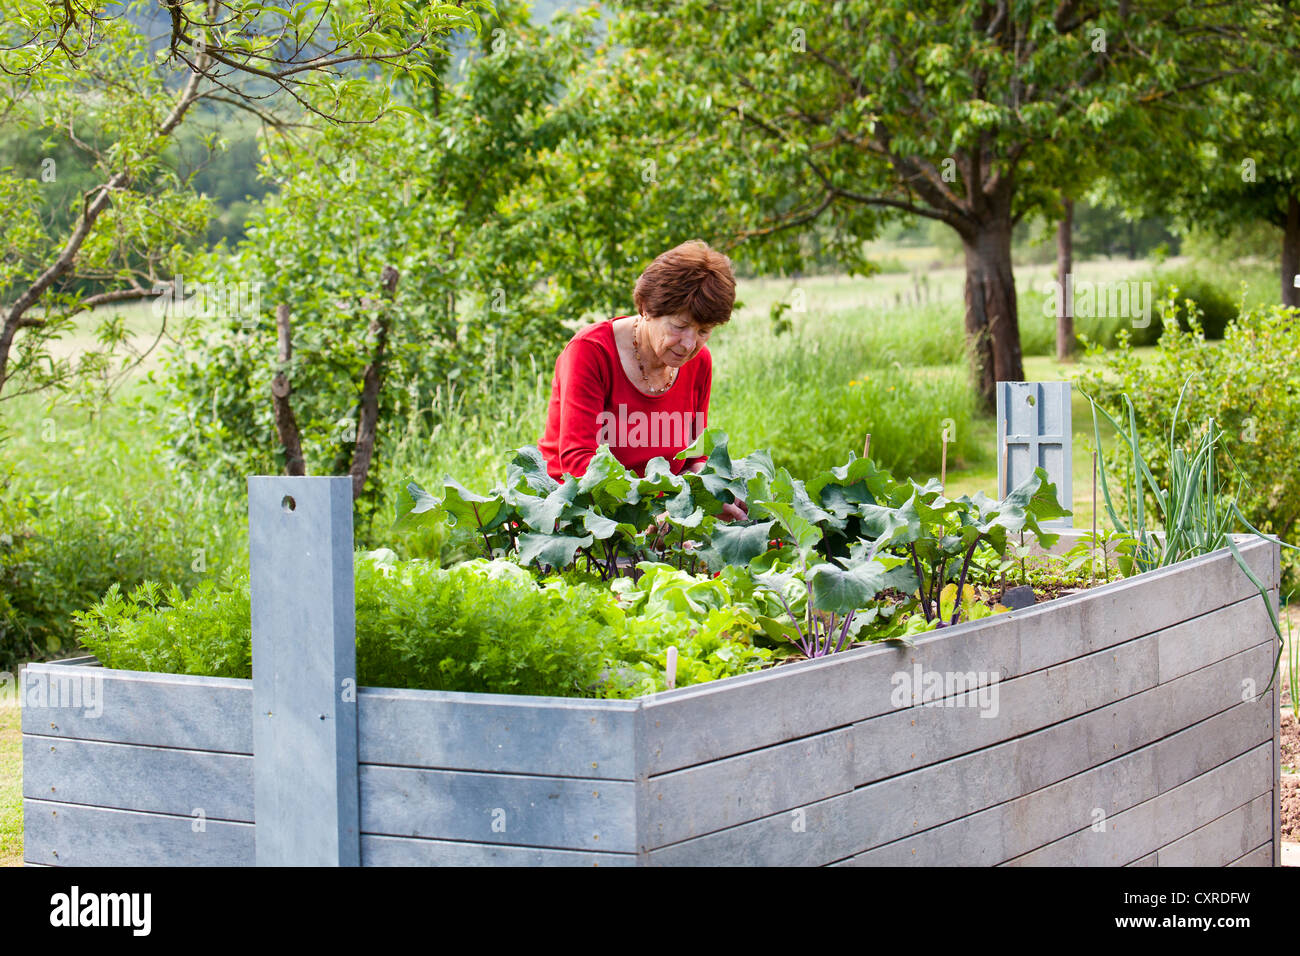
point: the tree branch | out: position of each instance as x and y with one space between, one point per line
286 425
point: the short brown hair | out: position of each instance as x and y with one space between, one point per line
688 278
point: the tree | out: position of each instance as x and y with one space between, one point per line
974 114
452 194
1238 145
74 69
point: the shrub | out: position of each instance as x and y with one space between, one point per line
1249 385
1216 305
61 550
85 506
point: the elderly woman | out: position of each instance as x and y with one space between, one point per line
640 384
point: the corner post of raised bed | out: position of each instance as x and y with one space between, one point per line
305 797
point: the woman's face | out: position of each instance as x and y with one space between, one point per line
675 339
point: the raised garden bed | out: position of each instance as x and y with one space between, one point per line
1114 726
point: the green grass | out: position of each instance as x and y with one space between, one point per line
11 783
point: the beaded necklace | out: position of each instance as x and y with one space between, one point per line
636 351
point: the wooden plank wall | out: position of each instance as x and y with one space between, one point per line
158 772
1125 731
473 779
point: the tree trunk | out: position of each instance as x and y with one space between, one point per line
1064 268
372 381
1291 253
992 322
286 423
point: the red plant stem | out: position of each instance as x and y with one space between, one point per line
936 590
921 590
487 544
961 582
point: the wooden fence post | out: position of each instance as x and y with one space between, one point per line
304 671
1034 430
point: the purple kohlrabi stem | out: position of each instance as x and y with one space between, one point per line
921 592
848 619
802 641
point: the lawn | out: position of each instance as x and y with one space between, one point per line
11 782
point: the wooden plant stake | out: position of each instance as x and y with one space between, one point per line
943 462
671 669
866 447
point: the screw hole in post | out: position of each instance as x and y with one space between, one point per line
288 504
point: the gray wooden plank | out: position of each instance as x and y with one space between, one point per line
1202 640
916 736
136 707
1133 832
506 733
1260 856
958 787
304 671
1148 860
555 812
409 851
732 716
1145 603
64 834
811 834
879 813
130 777
724 793
1223 840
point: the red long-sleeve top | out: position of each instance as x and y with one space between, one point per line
593 403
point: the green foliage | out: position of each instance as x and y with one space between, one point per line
1211 305
820 546
477 627
86 504
941 536
1194 512
152 629
713 623
97 70
839 377
1247 383
482 626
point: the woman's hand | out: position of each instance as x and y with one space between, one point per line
738 511
664 526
